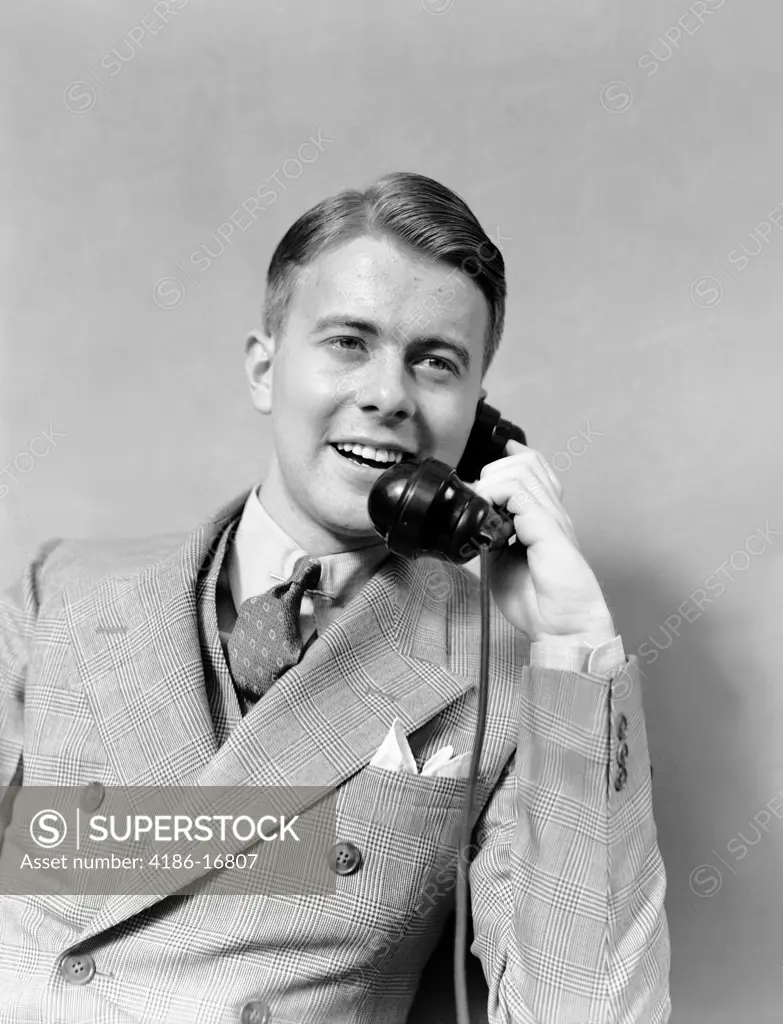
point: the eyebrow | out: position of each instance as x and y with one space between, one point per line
417 340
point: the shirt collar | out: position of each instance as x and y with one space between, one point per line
263 554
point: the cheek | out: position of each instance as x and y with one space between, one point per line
453 433
303 407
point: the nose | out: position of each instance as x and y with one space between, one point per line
385 387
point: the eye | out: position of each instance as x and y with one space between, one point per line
445 364
352 339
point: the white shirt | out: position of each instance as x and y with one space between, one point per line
263 554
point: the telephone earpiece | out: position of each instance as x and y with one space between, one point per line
424 508
487 441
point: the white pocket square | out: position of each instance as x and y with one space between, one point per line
395 755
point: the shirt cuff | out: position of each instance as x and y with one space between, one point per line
578 655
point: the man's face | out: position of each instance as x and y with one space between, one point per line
374 351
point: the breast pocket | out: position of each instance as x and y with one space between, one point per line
404 826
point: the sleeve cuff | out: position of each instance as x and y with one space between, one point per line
578 655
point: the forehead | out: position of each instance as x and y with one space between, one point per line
374 278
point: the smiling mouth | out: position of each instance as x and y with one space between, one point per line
360 460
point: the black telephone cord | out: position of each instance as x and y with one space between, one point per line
461 926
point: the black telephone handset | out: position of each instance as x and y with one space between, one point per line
424 508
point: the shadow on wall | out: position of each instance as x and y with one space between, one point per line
694 717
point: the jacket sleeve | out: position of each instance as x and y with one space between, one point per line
568 885
18 616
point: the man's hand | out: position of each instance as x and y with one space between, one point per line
545 588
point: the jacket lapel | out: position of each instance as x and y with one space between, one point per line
138 652
390 654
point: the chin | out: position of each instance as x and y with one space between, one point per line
355 526
348 521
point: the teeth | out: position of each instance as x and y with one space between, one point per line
377 454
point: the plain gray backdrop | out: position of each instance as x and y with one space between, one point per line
629 154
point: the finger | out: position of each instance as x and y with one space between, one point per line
542 479
537 488
551 475
557 514
517 448
531 495
513 450
527 480
535 524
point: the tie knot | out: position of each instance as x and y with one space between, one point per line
306 574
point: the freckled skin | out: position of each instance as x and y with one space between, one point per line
404 395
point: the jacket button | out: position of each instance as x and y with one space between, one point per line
622 728
345 858
92 796
621 778
78 968
255 1012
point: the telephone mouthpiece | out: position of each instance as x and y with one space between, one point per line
423 508
389 490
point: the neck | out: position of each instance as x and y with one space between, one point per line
313 537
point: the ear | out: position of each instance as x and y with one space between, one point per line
259 358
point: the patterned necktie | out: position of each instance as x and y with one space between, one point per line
266 640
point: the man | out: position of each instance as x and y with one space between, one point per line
383 311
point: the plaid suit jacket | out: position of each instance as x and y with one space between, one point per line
567 881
